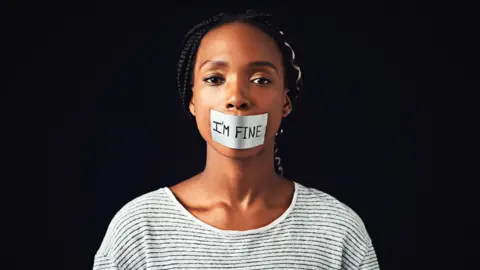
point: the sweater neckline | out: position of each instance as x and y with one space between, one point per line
272 224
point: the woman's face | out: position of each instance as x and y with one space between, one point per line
239 71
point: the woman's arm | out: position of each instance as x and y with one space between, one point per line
369 261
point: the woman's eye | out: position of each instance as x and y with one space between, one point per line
261 80
213 80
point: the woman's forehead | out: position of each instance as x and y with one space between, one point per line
238 43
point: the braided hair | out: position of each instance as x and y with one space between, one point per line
263 21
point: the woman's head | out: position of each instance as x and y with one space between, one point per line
238 65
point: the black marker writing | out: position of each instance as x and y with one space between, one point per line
258 131
224 128
248 132
216 126
227 128
238 131
251 132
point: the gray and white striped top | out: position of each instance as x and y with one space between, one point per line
155 231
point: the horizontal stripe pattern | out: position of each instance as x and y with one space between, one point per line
154 231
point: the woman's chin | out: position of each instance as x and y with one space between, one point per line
237 153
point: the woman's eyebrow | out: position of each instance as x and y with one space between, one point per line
263 64
251 64
214 62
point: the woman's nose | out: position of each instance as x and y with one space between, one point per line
236 97
237 104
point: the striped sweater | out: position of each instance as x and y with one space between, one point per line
317 231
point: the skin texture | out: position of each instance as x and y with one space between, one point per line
238 70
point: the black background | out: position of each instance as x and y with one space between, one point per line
361 131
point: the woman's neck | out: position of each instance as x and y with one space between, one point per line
240 183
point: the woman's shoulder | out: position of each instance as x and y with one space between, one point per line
133 216
327 210
153 199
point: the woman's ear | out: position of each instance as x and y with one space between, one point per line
191 106
287 105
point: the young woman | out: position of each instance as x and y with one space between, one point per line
238 78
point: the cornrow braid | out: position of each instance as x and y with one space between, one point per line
185 64
263 21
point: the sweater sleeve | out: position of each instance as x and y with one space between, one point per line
105 257
104 262
369 261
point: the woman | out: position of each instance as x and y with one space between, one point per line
237 77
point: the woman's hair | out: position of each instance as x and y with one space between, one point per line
263 21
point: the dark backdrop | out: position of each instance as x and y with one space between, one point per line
361 130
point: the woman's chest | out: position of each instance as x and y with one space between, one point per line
201 252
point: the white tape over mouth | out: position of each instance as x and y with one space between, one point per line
238 132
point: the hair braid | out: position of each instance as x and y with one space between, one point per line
186 62
187 80
278 160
